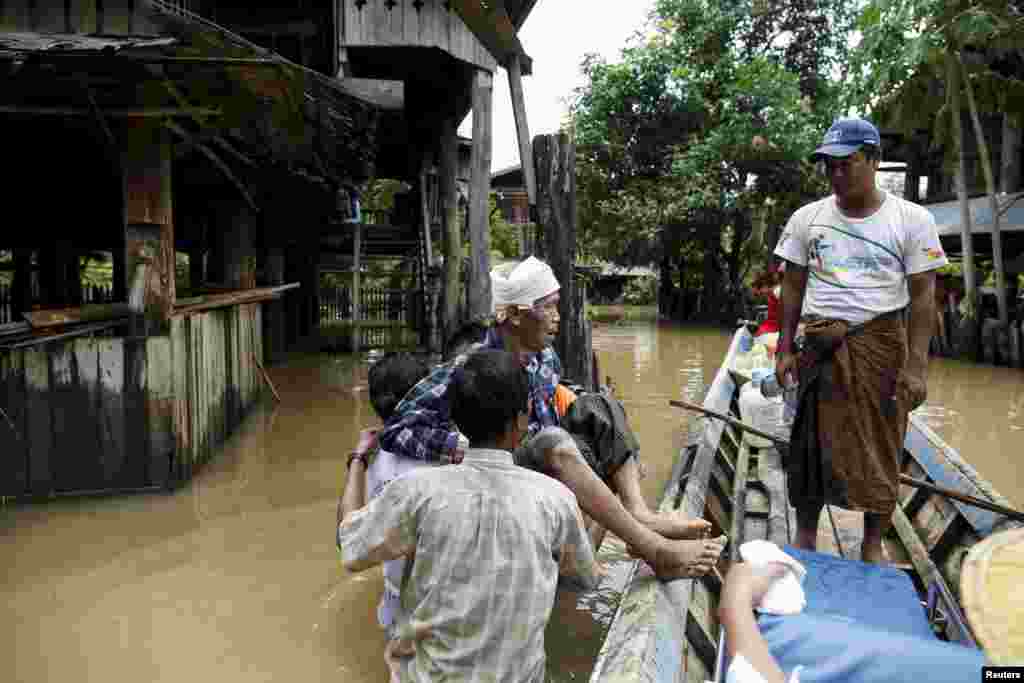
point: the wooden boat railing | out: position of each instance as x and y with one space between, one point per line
670 631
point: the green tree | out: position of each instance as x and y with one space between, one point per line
918 62
691 148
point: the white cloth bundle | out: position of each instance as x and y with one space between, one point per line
786 594
521 285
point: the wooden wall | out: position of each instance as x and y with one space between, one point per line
85 414
216 379
126 413
374 24
75 16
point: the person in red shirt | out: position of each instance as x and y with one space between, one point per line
767 285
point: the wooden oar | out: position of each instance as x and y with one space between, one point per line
904 479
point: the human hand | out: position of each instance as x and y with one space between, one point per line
913 387
785 364
746 584
367 440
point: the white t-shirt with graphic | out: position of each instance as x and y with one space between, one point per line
857 268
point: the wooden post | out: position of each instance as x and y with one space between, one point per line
479 195
556 207
275 323
515 84
21 287
357 252
146 164
452 229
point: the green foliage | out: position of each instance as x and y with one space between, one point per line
641 291
504 235
691 147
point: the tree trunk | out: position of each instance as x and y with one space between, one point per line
966 230
555 158
993 202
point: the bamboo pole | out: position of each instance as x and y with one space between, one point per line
904 479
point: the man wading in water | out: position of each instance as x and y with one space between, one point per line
861 267
525 306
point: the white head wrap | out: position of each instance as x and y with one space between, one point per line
520 284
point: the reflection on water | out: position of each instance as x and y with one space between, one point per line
235 577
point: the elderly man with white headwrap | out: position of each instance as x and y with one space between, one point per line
526 297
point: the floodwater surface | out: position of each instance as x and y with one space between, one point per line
235 577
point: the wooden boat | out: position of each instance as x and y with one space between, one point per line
670 631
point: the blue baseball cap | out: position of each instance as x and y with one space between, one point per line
845 137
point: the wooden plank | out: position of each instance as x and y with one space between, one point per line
39 424
941 468
412 23
77 314
84 400
739 495
67 472
111 407
135 471
773 476
13 443
181 436
83 16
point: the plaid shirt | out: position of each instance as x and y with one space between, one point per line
489 538
422 428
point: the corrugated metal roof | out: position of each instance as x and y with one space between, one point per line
947 215
27 43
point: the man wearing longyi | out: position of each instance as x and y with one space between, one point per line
861 268
595 467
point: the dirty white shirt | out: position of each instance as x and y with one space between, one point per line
385 468
488 536
857 268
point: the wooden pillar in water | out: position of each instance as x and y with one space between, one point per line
479 196
452 243
357 264
274 321
148 215
515 83
21 287
555 157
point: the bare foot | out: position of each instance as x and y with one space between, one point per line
672 525
686 559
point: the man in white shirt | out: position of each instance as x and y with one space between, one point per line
861 267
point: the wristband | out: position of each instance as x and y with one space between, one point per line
356 455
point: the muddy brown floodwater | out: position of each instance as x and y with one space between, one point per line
235 576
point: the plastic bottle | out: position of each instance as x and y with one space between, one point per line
789 398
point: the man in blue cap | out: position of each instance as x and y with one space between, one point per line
861 272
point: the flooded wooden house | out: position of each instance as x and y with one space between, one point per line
216 151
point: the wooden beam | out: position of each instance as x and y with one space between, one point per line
479 295
216 160
116 112
515 83
493 28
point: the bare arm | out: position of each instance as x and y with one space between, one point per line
794 285
744 587
922 321
354 496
